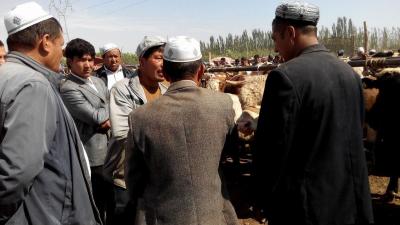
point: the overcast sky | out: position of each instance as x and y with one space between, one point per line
126 22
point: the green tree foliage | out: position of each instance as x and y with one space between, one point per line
129 58
342 35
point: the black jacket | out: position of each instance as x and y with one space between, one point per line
384 118
309 155
102 74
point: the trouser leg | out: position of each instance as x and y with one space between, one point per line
393 185
124 210
102 192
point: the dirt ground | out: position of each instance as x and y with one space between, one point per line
239 178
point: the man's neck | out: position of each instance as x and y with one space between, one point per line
149 85
193 80
108 70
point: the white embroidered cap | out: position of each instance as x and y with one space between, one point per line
147 43
108 47
360 50
24 16
298 10
182 49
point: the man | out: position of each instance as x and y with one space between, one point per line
112 70
3 53
340 53
86 98
44 178
127 95
237 62
309 155
244 61
175 144
257 60
223 62
384 118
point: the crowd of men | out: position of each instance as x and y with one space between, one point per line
256 60
144 147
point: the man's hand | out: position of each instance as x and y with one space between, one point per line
105 126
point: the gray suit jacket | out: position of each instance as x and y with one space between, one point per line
173 154
44 178
89 108
125 96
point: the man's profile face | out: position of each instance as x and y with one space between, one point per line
3 54
282 42
82 66
112 59
152 66
55 53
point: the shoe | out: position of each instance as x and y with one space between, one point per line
390 196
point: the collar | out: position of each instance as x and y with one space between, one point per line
108 72
314 48
136 87
80 78
181 84
53 77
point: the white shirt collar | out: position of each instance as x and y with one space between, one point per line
109 72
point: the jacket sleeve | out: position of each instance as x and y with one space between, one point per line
120 107
276 125
28 131
135 168
80 108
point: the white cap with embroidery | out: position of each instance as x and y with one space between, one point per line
182 49
147 43
108 47
24 16
360 50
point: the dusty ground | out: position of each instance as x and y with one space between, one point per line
239 180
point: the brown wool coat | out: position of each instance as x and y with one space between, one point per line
173 154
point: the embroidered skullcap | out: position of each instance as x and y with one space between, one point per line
108 47
24 16
299 11
182 49
147 43
360 50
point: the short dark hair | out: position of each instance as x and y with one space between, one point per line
1 44
148 52
28 37
305 27
181 70
79 47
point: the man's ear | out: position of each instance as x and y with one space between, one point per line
200 73
166 76
69 61
291 32
141 61
45 45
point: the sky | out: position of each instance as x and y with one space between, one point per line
126 22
